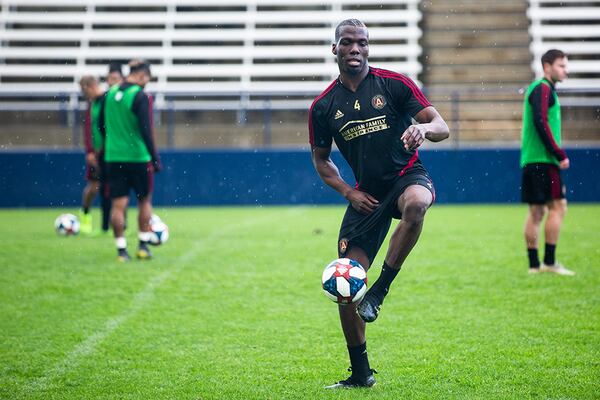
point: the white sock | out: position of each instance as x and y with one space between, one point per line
121 242
145 236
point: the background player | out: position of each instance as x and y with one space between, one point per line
130 155
542 159
94 156
115 74
367 111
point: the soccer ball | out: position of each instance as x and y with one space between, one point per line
159 230
154 218
344 281
66 225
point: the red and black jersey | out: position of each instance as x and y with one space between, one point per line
366 125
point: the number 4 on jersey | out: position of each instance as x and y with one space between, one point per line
357 105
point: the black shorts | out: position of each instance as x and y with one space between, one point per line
369 231
123 177
541 183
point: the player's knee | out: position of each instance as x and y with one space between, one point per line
537 214
414 212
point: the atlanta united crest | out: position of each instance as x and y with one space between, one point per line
343 246
378 101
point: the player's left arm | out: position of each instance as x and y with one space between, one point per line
142 108
431 126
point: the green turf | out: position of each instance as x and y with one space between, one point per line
231 309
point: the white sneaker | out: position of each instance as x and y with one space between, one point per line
557 268
534 271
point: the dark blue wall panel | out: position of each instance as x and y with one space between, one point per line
231 177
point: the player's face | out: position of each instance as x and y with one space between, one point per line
139 78
88 91
114 78
352 49
144 79
558 69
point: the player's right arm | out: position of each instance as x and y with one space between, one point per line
90 154
330 174
320 141
540 99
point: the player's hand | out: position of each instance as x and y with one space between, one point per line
564 164
91 160
413 136
156 165
362 202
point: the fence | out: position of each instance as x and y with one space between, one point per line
50 178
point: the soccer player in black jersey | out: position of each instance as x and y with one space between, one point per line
368 112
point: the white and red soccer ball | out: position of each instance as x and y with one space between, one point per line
66 225
159 230
344 281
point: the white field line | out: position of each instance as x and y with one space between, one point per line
141 299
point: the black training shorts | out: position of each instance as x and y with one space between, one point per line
123 177
369 231
541 183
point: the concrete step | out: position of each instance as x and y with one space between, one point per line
433 39
484 74
473 6
453 21
478 55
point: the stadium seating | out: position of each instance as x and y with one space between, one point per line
574 27
212 47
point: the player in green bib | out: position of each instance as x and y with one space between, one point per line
94 156
130 154
542 159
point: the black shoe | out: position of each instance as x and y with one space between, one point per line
355 382
369 307
144 252
123 255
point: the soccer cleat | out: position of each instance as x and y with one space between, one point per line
369 307
355 382
557 268
123 255
533 271
144 252
86 223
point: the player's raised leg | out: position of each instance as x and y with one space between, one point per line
413 205
354 332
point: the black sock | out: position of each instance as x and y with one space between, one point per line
86 210
534 261
382 284
106 205
549 258
359 360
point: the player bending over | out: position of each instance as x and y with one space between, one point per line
94 156
131 157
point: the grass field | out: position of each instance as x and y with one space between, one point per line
231 308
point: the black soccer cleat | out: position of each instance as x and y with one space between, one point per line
369 307
354 382
144 252
123 255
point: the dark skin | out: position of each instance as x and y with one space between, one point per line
352 51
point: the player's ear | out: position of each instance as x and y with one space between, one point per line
334 49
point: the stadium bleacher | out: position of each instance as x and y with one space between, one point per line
264 60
